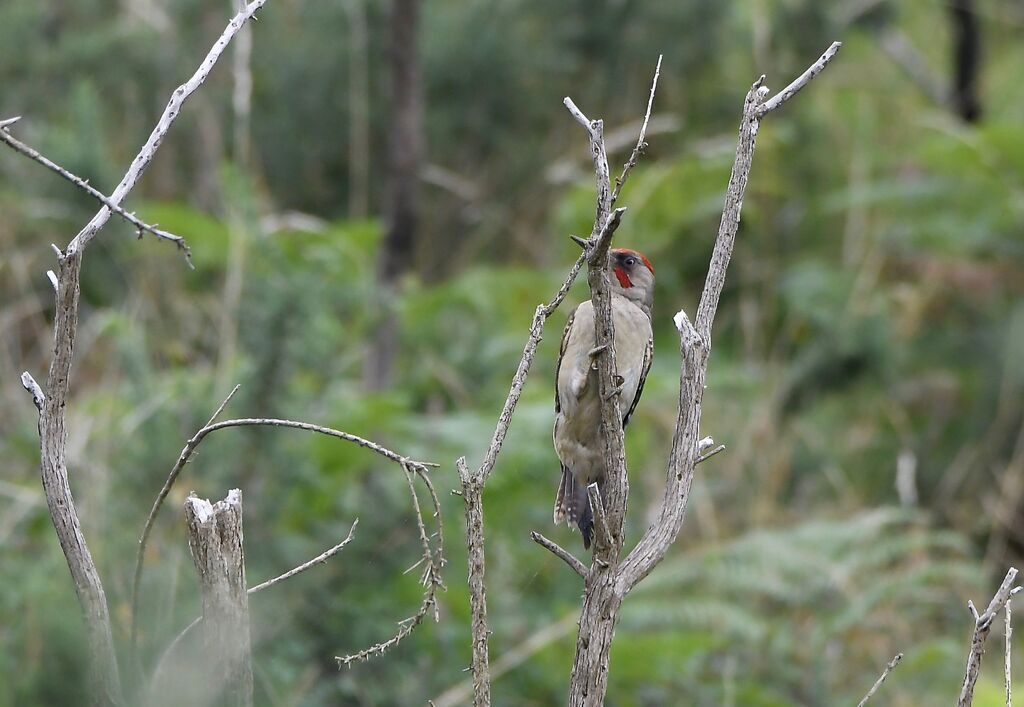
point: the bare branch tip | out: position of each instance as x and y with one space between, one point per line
5 124
29 383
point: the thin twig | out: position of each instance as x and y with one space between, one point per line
799 82
881 678
578 114
540 317
560 552
171 112
640 144
431 575
29 383
83 184
713 452
318 560
1007 663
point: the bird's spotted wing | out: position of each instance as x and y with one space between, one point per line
648 357
561 354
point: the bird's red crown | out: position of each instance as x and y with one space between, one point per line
638 254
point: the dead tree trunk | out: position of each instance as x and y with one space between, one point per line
215 539
966 60
610 578
405 157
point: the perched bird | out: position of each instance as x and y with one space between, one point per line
577 400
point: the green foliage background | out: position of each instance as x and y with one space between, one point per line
873 310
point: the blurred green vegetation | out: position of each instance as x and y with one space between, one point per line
873 313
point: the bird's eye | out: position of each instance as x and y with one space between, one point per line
630 262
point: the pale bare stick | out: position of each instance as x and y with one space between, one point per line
83 184
982 627
799 82
561 553
1007 646
881 678
695 338
318 560
171 112
634 158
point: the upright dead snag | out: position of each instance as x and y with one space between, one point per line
215 540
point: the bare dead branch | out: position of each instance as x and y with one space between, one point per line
83 184
105 677
599 613
713 452
695 338
433 564
982 626
171 112
1007 649
561 553
104 672
881 678
577 114
5 124
472 494
640 144
318 560
190 447
798 83
29 384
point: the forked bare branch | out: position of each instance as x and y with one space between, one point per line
105 679
982 627
83 184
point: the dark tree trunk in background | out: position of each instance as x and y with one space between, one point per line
405 156
966 60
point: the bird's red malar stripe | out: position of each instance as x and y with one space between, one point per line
623 277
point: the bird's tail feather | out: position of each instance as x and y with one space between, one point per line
572 505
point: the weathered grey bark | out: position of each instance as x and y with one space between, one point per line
982 627
609 582
105 681
216 541
472 494
405 160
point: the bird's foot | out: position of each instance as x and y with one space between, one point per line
597 350
617 390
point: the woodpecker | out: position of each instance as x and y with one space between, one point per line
577 432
